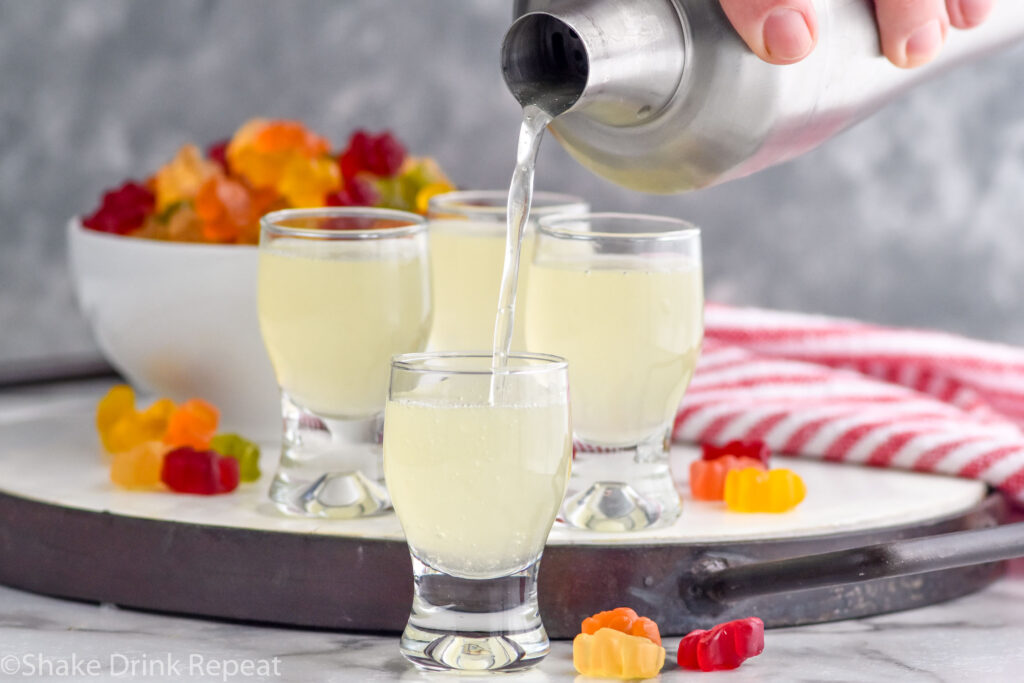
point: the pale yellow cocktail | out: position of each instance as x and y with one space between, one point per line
621 297
341 290
467 251
332 316
476 487
477 460
631 328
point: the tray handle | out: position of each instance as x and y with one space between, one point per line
717 586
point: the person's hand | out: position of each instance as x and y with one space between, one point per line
912 31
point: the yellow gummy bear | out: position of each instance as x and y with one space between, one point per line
140 467
180 178
613 654
304 182
121 427
754 490
424 194
117 403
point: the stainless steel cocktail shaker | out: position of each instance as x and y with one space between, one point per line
663 96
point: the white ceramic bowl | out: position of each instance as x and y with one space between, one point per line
179 320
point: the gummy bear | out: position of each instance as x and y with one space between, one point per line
430 190
230 211
187 470
230 474
217 152
356 191
121 427
179 223
118 402
123 210
754 490
156 418
623 619
758 450
609 653
140 467
192 424
180 179
707 477
725 646
260 150
402 190
306 182
245 452
381 155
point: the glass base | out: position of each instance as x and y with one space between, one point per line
474 625
621 489
329 467
337 495
610 506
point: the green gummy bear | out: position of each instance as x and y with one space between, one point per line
244 451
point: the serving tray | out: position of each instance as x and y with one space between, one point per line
66 531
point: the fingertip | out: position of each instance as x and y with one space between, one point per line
788 35
777 31
920 47
969 13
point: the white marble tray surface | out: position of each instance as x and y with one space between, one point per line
49 452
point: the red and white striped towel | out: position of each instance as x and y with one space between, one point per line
848 391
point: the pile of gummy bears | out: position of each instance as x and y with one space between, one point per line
620 644
219 194
738 473
172 446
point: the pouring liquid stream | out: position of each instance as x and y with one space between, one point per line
520 198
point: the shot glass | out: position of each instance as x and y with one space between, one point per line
467 250
620 297
477 461
341 290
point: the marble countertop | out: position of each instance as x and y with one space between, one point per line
978 637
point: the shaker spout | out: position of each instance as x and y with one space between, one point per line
619 61
544 63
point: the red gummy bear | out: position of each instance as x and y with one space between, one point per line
355 192
381 155
230 471
758 450
187 470
218 152
725 646
122 210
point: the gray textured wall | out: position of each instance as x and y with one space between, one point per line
915 217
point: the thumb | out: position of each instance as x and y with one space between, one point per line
778 31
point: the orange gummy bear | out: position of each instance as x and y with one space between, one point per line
625 620
193 424
261 149
229 211
707 477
